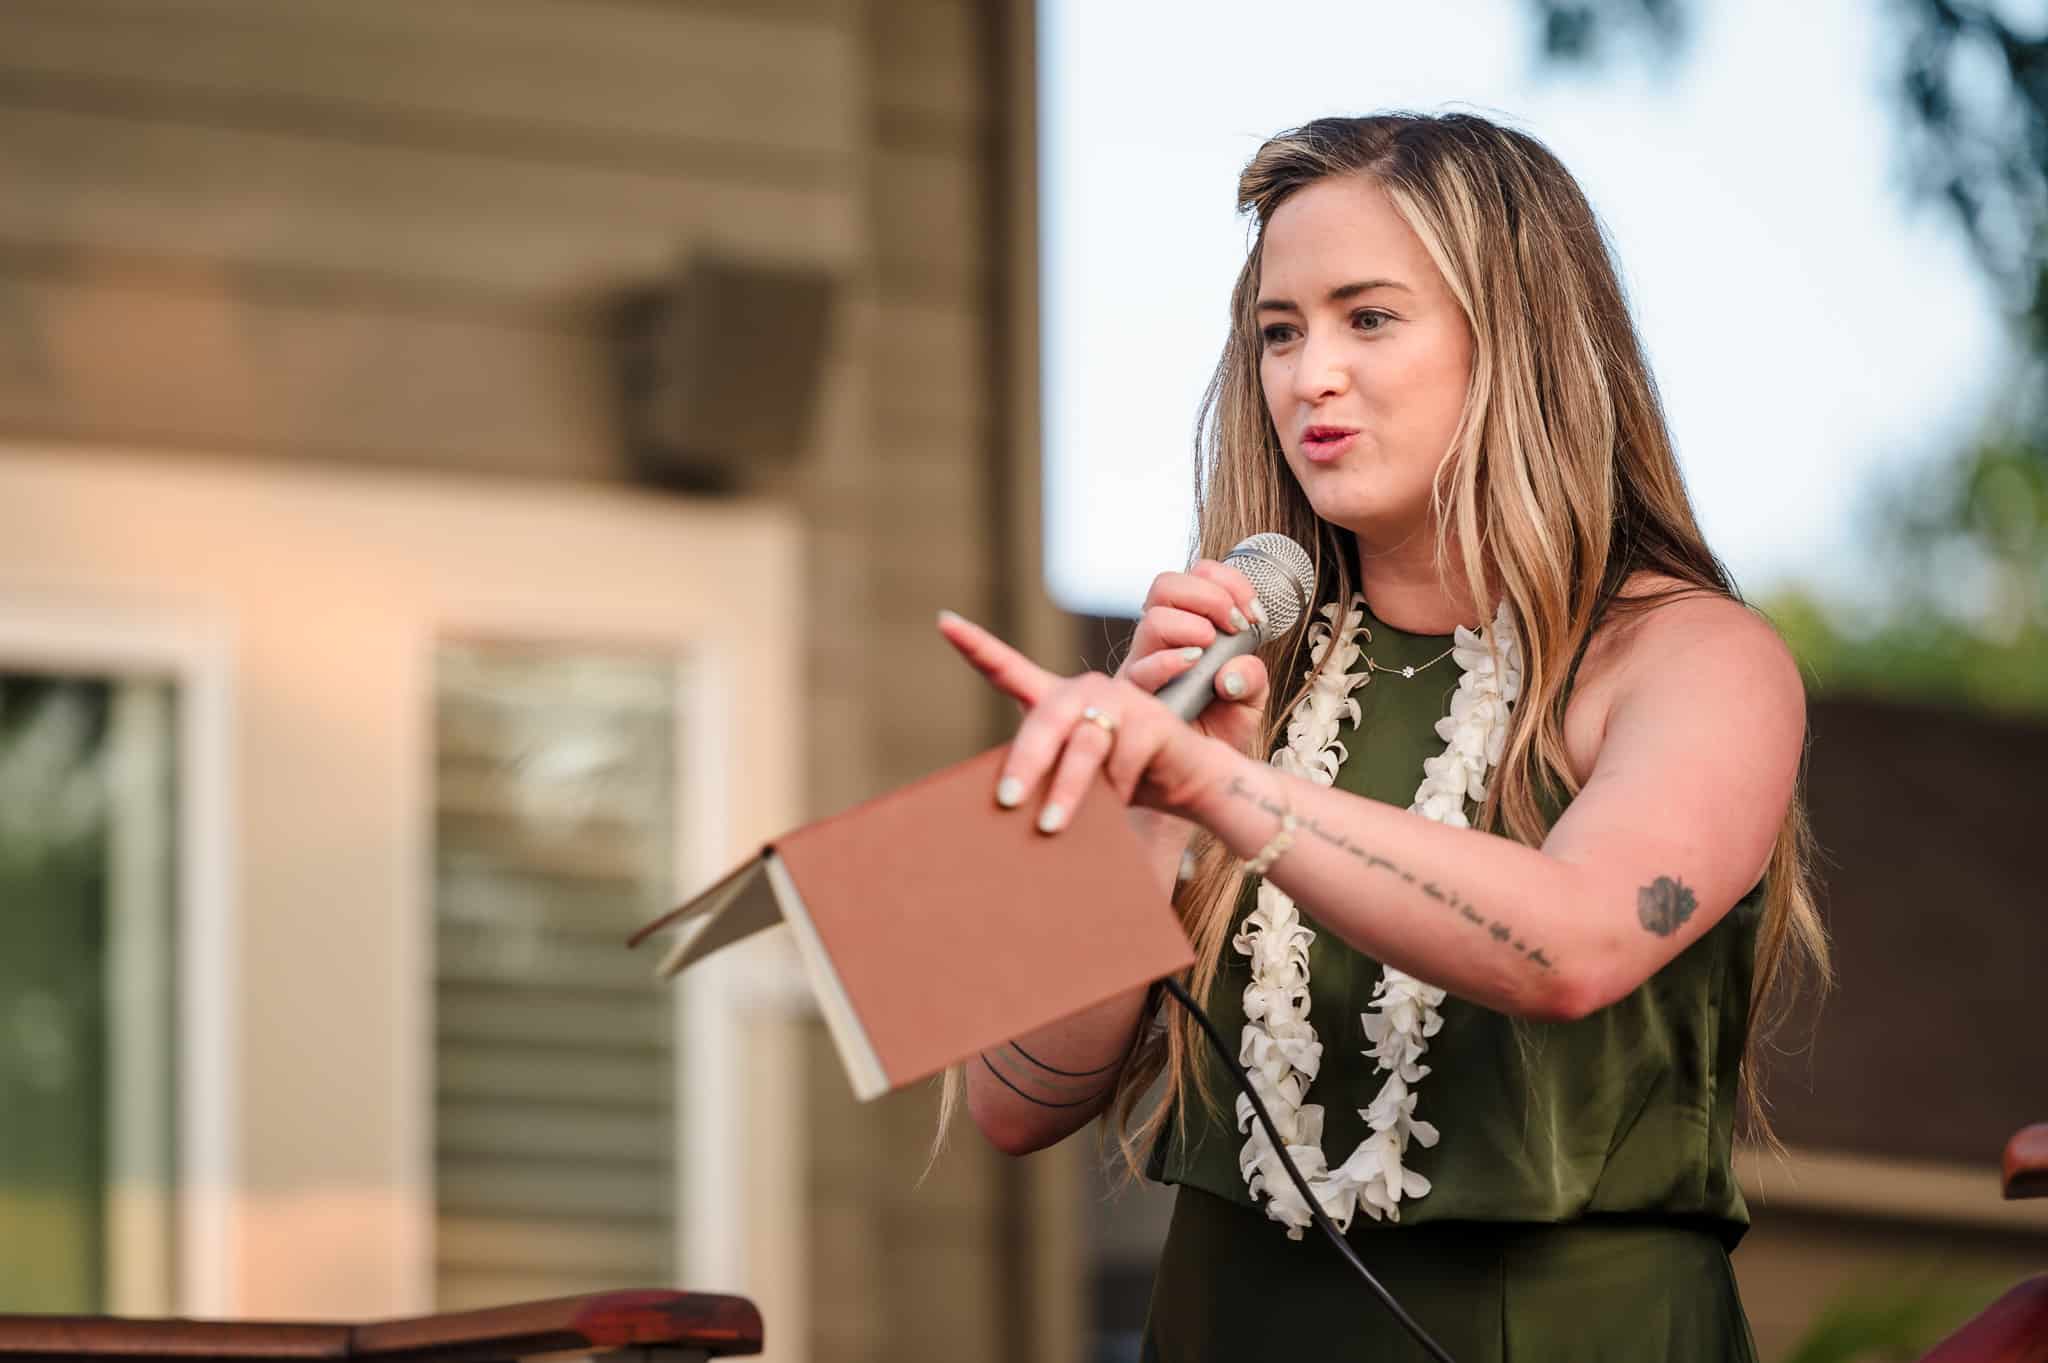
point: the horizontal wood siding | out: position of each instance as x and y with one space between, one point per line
584 81
391 232
153 360
494 223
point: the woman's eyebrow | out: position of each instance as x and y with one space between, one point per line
1336 295
1344 291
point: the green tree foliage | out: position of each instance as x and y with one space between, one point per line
1960 616
1582 31
1975 86
1960 613
1893 1321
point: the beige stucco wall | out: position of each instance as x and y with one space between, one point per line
324 593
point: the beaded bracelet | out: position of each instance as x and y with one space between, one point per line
1272 851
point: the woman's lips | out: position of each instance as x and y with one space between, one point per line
1321 444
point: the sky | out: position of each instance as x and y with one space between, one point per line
1811 327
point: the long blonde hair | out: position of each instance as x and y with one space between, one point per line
1560 485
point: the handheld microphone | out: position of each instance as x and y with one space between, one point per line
1285 582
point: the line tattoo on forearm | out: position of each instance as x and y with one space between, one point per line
1047 1085
1467 912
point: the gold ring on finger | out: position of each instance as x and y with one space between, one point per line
1102 719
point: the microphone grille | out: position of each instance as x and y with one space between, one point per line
1281 574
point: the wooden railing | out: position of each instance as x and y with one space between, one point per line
672 1327
684 1327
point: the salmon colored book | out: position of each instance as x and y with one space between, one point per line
934 924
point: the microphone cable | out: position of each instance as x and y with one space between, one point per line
1315 1210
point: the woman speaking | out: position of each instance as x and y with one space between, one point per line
1497 861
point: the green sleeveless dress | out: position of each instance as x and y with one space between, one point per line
1582 1199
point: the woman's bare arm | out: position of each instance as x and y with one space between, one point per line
1676 821
1696 767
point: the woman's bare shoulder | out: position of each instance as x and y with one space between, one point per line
1654 612
1661 618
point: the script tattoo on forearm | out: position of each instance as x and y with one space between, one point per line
1043 1085
1467 912
1664 904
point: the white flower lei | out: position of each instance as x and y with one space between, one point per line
1280 1050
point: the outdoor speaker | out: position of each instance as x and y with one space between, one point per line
718 371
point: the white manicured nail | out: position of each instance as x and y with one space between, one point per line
1233 685
948 618
1051 819
1191 653
1238 624
1258 613
1009 792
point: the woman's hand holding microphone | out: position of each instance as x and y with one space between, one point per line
1076 726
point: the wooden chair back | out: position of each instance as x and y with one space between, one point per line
2013 1329
678 1327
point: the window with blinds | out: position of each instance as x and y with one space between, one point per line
556 1144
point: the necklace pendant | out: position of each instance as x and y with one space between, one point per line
1407 671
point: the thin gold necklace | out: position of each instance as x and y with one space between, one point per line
1372 667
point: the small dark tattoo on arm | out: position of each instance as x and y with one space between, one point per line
1664 904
